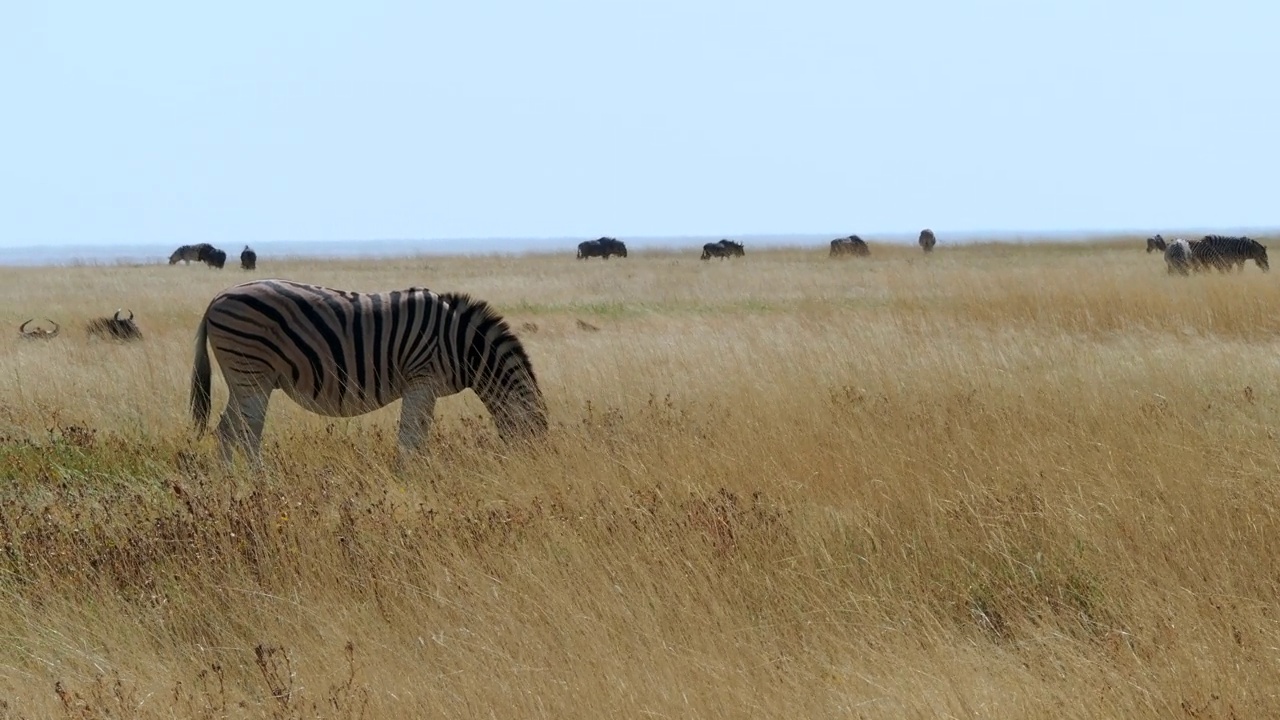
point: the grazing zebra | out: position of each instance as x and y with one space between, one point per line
1223 252
248 258
114 327
1178 256
852 245
213 257
187 253
723 249
1156 243
342 354
601 247
38 333
927 240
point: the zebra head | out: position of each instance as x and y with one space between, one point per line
1155 243
38 333
1246 248
493 363
523 419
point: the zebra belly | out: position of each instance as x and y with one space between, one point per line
352 404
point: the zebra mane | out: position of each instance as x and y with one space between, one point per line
486 317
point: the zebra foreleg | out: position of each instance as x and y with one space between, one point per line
416 413
242 423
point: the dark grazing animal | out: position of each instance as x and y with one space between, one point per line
115 328
38 333
342 354
852 245
1178 256
927 240
1156 243
248 258
723 249
187 253
602 248
614 245
213 257
1224 253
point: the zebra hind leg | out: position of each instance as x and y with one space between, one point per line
242 423
416 413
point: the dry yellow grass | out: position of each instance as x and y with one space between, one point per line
998 481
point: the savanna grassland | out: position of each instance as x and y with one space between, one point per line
998 481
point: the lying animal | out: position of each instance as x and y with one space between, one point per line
38 333
115 328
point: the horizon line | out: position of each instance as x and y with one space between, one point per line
962 235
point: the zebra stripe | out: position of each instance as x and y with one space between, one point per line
1224 253
341 354
1178 256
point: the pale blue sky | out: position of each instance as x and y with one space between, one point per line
127 122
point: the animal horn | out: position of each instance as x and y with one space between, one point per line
55 327
130 315
117 315
23 327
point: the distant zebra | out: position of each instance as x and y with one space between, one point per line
213 257
1223 252
1178 256
927 240
852 245
723 249
114 327
342 354
601 247
248 258
1156 243
187 253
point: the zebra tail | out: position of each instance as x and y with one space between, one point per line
201 400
